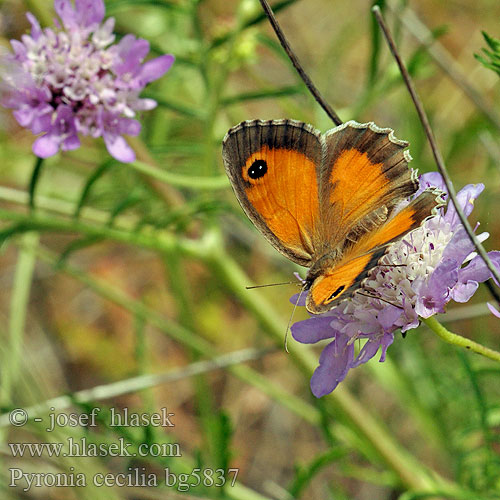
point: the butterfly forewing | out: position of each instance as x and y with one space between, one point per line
273 167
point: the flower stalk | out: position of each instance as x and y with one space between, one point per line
458 340
34 181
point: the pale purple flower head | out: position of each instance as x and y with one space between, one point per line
436 264
72 80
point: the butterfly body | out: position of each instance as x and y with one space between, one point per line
330 202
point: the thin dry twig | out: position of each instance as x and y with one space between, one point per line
435 149
296 64
444 60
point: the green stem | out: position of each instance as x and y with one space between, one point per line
11 364
34 181
159 242
458 340
187 318
60 207
184 181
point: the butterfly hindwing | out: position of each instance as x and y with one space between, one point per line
273 167
340 281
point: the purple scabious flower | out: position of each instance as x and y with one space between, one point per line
436 263
72 80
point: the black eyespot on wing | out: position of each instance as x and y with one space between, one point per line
258 169
339 290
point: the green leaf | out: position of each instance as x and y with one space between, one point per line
490 59
78 244
35 176
132 199
114 5
252 22
375 46
492 42
180 108
181 180
263 94
94 177
305 474
6 234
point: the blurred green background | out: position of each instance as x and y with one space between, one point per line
127 270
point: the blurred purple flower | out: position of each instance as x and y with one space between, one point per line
493 311
71 80
438 265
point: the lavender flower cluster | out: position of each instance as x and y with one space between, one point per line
72 80
429 267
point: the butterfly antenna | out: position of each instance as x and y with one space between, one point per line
438 158
290 320
273 284
380 298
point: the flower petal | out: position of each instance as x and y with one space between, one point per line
42 120
19 49
299 298
89 12
71 142
36 30
494 311
334 363
65 11
313 329
367 352
462 292
129 126
155 68
118 148
433 293
131 51
465 198
145 104
476 270
469 277
388 316
45 146
459 246
386 341
430 180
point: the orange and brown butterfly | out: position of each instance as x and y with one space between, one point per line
326 201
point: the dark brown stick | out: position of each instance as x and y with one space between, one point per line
296 64
434 147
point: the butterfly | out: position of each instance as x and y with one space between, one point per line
330 202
